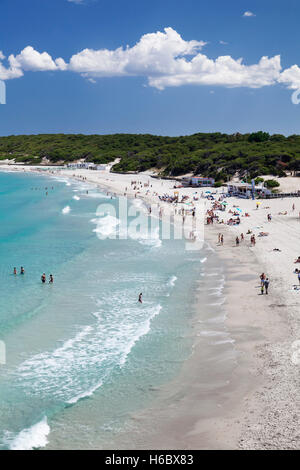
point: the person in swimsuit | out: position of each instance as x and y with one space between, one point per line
51 280
43 278
15 271
22 270
141 298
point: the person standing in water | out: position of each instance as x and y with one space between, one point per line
51 280
22 270
15 271
43 278
141 298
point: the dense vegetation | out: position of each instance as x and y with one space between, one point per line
214 154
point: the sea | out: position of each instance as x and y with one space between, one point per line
82 355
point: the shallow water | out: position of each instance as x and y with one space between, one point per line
82 354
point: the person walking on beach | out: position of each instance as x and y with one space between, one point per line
43 278
141 298
237 241
262 279
266 283
222 239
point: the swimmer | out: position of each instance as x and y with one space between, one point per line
141 298
22 270
51 280
43 278
15 271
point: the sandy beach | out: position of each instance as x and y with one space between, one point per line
259 408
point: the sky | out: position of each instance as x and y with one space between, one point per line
164 67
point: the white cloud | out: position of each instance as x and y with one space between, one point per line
30 59
291 77
248 14
224 71
164 58
154 53
224 43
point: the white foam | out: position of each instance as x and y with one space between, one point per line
142 331
32 438
203 260
77 198
86 394
172 281
98 195
106 226
66 210
79 367
148 238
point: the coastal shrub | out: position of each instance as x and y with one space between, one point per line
270 184
217 155
259 180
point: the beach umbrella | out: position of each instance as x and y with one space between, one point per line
207 192
238 209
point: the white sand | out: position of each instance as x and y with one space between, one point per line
262 409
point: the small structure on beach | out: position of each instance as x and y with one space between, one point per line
244 190
88 166
197 181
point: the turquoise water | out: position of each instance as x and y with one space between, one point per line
82 354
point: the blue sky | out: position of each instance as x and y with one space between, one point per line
67 67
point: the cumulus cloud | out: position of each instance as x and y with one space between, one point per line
164 58
154 53
29 60
168 60
291 77
224 71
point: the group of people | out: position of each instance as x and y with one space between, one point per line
22 271
44 279
264 283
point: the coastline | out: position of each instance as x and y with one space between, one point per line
259 408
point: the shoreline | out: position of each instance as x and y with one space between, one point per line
260 407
